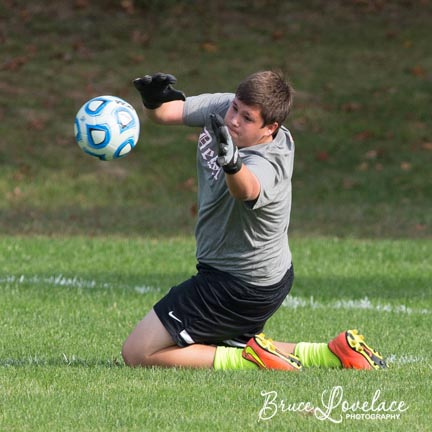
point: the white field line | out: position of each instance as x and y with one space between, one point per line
292 302
404 359
69 282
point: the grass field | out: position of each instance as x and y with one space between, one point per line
87 247
68 304
362 76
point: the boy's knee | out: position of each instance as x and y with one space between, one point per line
132 356
127 355
148 337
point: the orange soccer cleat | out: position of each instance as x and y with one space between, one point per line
352 351
265 355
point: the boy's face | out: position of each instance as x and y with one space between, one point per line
245 125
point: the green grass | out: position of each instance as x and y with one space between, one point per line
362 76
87 247
68 304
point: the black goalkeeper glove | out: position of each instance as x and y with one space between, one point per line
157 89
228 155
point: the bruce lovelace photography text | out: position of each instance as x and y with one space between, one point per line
334 407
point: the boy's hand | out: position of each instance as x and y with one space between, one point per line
228 154
157 89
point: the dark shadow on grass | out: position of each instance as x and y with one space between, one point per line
357 221
403 288
99 221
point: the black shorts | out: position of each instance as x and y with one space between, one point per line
213 307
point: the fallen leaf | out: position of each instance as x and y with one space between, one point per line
371 154
364 166
363 135
36 124
427 146
128 6
89 89
392 34
379 167
418 71
140 38
15 63
209 47
351 107
31 50
322 156
137 58
405 166
348 183
81 4
25 15
192 137
189 184
16 193
277 35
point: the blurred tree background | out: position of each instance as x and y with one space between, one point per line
362 71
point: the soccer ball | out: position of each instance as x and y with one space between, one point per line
107 127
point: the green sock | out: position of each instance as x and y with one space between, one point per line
227 358
316 354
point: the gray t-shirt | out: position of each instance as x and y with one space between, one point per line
247 239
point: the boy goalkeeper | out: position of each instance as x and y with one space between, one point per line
245 160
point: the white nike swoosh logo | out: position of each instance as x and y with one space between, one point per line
171 314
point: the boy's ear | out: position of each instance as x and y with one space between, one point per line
271 128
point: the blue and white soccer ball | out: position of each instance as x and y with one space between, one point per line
107 127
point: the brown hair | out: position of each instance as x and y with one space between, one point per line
269 91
